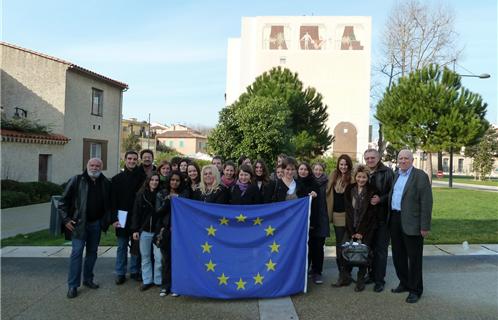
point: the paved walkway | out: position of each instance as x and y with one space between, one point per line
467 186
25 219
455 287
110 252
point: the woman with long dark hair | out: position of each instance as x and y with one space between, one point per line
244 191
229 172
175 187
288 188
144 226
193 177
339 180
163 169
361 217
262 179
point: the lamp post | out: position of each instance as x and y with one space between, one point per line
481 76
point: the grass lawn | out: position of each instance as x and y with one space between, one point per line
493 183
458 215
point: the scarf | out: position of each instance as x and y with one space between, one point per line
358 202
242 186
323 179
227 181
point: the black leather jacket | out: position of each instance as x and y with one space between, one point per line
72 205
382 179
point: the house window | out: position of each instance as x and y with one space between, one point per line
97 101
94 149
171 143
181 144
460 165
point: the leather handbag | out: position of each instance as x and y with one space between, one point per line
355 253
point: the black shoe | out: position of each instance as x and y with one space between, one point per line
379 287
120 280
369 280
412 298
360 286
72 293
144 286
90 284
135 276
399 289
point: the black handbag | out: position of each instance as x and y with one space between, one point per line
355 253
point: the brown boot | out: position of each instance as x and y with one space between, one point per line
344 280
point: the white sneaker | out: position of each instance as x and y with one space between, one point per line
175 294
163 292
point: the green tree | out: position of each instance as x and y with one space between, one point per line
260 129
306 113
131 142
430 110
483 154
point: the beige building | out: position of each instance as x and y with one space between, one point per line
183 139
82 108
146 136
331 54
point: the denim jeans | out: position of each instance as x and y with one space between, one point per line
90 239
122 258
146 249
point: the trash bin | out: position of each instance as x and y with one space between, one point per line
55 220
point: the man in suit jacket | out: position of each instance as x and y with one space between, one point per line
410 202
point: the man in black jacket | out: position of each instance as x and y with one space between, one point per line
85 211
381 178
124 188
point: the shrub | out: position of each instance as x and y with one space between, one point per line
14 199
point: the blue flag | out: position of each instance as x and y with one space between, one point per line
239 251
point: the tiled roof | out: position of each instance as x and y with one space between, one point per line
71 66
28 137
181 134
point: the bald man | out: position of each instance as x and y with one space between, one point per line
410 203
85 211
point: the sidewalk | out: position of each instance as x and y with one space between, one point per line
110 252
25 219
436 183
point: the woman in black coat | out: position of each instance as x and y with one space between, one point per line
289 188
361 218
210 188
144 227
244 191
262 180
175 187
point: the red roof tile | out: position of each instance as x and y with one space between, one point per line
20 136
181 134
71 66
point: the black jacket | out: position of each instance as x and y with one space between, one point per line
163 206
220 195
322 224
73 204
281 189
124 188
266 191
251 196
368 216
382 179
145 216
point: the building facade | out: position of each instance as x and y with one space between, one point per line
183 139
82 109
331 54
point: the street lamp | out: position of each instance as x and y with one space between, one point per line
481 76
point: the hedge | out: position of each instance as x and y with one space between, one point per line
15 193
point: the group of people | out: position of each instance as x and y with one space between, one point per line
367 202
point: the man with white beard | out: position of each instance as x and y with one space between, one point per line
85 212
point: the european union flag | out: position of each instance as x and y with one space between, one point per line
239 251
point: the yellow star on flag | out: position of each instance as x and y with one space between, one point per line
241 218
241 284
224 221
210 265
270 265
223 279
274 246
258 221
211 231
206 247
269 230
258 279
